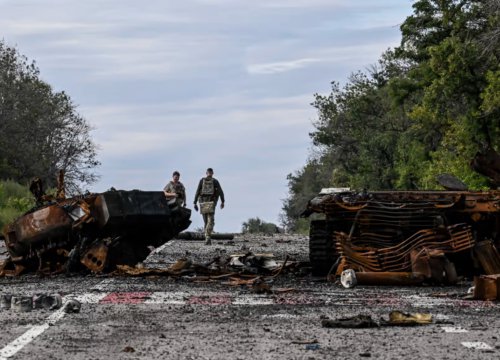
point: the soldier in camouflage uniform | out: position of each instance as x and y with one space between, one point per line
175 189
208 193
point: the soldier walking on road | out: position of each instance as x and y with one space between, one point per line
175 190
208 193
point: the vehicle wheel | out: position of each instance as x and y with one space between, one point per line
322 252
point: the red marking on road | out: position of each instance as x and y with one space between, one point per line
297 300
210 300
125 298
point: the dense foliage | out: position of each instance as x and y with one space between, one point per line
40 130
426 108
256 225
15 199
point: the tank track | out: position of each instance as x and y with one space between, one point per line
322 252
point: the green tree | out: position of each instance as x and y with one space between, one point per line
256 225
445 42
355 139
358 132
429 106
40 130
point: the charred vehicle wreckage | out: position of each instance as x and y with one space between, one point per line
94 231
405 237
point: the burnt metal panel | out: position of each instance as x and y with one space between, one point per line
386 227
99 231
46 223
131 208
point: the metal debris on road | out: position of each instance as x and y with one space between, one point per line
25 303
404 237
396 318
95 232
21 303
354 322
47 302
249 264
72 306
487 287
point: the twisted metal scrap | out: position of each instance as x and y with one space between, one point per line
396 258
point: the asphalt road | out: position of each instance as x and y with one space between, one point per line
177 318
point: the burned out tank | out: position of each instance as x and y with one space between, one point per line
437 234
95 232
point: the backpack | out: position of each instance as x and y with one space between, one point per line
208 187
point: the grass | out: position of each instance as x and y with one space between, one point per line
15 199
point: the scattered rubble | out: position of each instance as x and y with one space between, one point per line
72 306
48 302
396 318
254 271
190 235
25 303
355 322
21 303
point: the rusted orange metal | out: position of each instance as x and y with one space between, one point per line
98 231
487 287
96 257
389 278
488 256
49 222
379 231
397 258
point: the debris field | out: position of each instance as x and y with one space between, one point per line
264 308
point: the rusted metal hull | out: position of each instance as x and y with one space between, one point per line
487 287
384 231
49 223
389 278
97 232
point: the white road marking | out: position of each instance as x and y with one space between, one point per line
441 317
89 298
253 300
425 302
182 298
31 334
14 346
453 329
279 316
170 298
477 345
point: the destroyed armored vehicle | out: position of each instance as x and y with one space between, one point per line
96 231
405 236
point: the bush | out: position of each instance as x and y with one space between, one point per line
256 225
15 199
302 226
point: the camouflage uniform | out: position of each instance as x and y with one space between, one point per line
179 189
209 190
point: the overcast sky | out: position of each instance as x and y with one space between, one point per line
186 85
